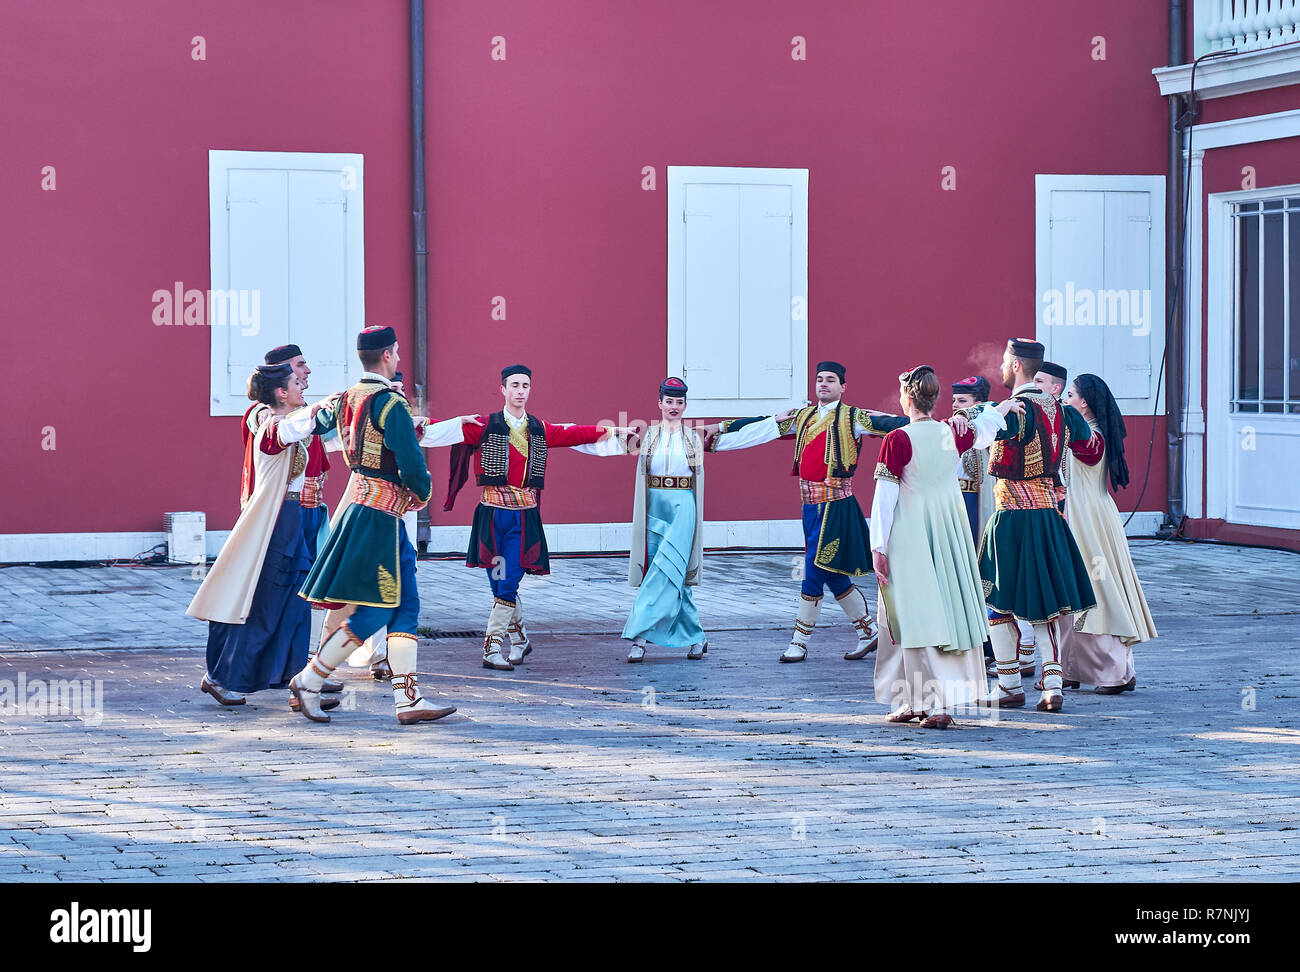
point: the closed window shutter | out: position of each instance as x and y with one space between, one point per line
737 280
712 290
318 320
765 321
1126 352
1101 280
287 228
1078 264
258 233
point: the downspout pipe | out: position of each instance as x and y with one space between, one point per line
1175 249
419 226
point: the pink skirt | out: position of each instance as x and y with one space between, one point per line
1094 659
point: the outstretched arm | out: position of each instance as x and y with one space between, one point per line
594 440
747 432
394 418
869 422
452 431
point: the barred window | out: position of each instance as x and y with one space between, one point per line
1266 372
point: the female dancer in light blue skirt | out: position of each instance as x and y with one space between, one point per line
667 532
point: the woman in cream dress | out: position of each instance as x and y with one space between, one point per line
931 607
1098 649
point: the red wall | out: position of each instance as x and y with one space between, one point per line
534 176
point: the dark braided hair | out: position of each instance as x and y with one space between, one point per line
1106 413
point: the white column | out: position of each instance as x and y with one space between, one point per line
1193 333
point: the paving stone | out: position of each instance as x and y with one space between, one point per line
580 767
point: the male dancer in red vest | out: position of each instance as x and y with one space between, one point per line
508 452
836 547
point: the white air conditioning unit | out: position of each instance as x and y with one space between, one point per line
187 541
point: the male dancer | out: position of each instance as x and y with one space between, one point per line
1029 562
368 560
827 440
977 493
1051 378
507 538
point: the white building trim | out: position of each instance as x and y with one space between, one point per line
1273 67
612 538
1206 496
1223 441
1243 131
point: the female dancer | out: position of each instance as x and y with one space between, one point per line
258 627
1098 648
931 609
667 532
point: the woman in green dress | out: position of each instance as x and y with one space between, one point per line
933 623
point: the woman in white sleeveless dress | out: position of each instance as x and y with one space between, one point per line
933 622
1098 648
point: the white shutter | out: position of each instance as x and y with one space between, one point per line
258 235
1100 260
712 273
765 350
289 228
1127 357
318 312
737 287
1077 259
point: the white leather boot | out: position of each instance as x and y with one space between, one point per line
411 706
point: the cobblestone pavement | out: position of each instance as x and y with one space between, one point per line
581 767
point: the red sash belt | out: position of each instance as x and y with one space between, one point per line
826 491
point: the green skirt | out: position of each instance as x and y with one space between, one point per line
1030 566
359 563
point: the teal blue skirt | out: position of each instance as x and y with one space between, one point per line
664 613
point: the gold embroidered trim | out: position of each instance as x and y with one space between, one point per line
519 439
846 429
883 472
387 585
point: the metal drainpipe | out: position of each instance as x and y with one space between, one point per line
1175 250
419 225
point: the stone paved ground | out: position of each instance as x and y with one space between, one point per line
581 767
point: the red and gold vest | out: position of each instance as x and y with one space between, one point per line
1036 450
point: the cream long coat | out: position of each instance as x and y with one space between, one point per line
226 594
1098 529
694 459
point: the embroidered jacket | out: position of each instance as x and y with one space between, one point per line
378 436
1032 444
512 456
826 443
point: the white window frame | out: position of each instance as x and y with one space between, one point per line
1221 369
1044 186
350 167
1290 396
679 176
